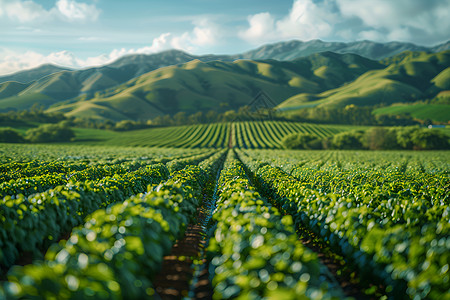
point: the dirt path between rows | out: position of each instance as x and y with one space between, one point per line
178 269
184 273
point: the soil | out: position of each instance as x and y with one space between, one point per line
184 271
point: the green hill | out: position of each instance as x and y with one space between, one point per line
50 85
202 86
422 111
34 74
146 86
407 77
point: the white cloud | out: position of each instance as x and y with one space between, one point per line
75 11
261 28
306 20
22 11
11 61
400 19
28 11
204 33
381 20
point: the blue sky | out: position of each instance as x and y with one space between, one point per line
83 33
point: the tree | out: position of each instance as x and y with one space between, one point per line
347 140
180 118
50 133
378 138
428 139
302 141
9 135
125 125
404 137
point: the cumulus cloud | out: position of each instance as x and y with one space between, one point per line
22 11
262 27
204 33
11 61
306 20
379 20
75 11
400 19
28 11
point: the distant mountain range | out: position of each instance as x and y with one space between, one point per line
293 73
376 51
139 64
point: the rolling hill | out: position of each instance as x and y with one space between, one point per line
145 86
68 84
407 77
435 112
202 86
27 76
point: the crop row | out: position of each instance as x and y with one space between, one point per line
12 153
433 162
30 223
402 239
16 170
117 252
267 134
41 183
254 251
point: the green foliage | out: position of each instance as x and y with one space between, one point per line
254 250
302 141
251 134
347 140
427 139
49 214
379 138
388 217
405 138
50 133
423 111
35 114
127 125
9 135
118 249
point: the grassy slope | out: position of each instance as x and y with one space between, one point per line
407 77
189 87
203 86
326 79
435 112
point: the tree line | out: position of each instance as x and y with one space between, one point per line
375 138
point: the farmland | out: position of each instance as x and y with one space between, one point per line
119 222
249 134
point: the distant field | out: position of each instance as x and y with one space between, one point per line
435 112
251 135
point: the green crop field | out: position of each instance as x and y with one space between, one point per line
252 135
112 222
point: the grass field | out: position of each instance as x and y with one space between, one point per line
435 112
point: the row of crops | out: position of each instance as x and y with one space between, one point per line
98 221
247 135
